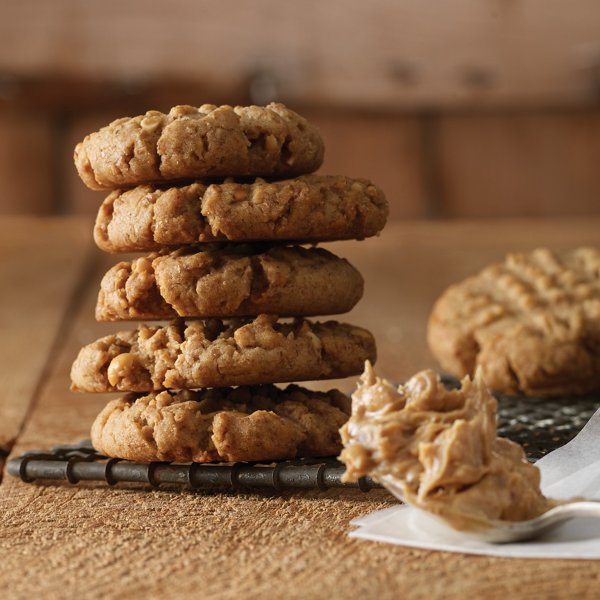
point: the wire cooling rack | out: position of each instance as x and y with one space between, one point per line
79 462
540 425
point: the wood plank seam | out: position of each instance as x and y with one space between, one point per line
86 274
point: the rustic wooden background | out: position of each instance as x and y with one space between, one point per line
470 108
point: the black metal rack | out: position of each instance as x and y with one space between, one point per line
540 425
79 462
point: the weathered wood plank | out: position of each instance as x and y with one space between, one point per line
26 163
381 53
95 542
515 165
41 265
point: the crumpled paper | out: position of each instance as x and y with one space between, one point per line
573 470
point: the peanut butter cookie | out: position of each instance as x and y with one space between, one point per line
312 208
245 423
239 280
532 323
214 353
190 143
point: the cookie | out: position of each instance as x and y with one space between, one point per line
239 280
532 323
190 143
311 208
215 353
242 424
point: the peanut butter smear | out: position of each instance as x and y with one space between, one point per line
439 449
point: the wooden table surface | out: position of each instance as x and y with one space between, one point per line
89 541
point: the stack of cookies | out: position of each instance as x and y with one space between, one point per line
204 191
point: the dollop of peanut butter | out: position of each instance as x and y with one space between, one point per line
439 447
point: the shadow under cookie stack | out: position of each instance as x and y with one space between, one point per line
188 188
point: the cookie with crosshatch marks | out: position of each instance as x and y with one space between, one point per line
215 353
311 207
532 323
190 143
226 424
237 280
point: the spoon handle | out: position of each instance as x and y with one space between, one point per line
584 508
564 512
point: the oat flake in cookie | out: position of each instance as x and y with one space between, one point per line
190 143
227 424
532 323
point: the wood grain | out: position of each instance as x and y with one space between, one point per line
519 165
26 161
41 267
379 54
95 542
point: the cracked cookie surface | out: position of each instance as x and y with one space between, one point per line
190 143
215 353
238 280
311 208
223 424
532 323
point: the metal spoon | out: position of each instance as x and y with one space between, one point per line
501 532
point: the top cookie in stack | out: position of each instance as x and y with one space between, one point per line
170 197
190 143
